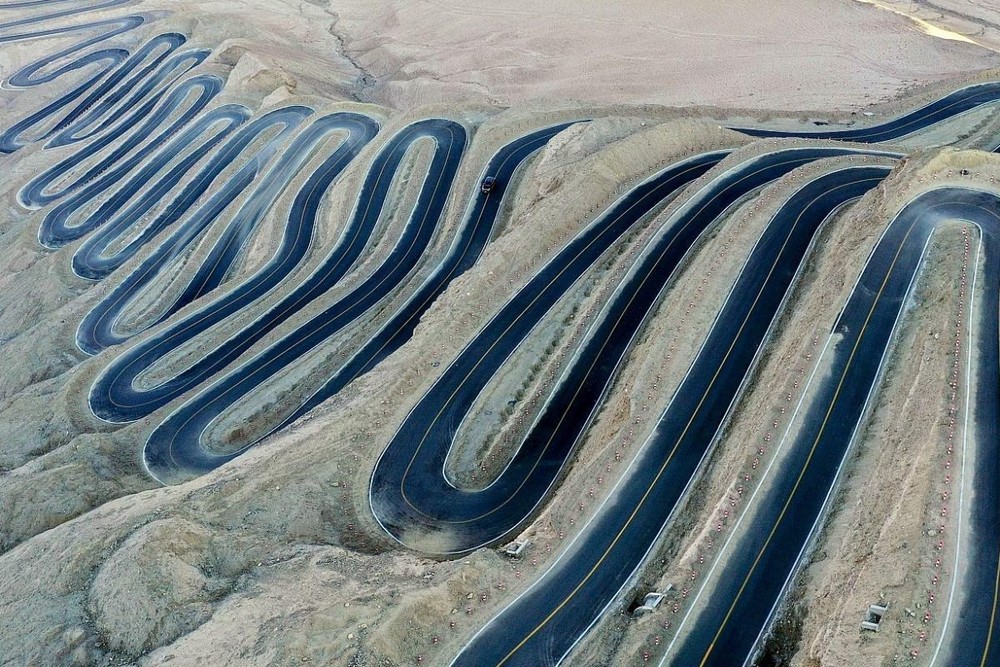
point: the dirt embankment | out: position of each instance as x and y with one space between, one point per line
689 543
275 559
895 472
241 542
888 530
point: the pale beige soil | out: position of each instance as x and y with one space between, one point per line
885 535
315 504
877 557
794 55
692 539
975 21
881 542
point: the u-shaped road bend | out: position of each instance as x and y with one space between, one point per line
143 128
727 629
541 626
98 329
409 490
546 622
112 81
43 189
133 196
116 396
174 449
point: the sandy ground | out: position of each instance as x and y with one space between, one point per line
793 54
957 20
888 529
790 55
691 543
882 536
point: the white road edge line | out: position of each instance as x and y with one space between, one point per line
644 447
767 472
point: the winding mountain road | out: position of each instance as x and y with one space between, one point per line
741 605
159 165
409 493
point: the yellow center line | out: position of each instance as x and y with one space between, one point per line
673 451
203 178
812 450
805 467
357 300
704 206
516 320
197 318
206 312
483 357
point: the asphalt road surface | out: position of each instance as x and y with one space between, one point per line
544 624
740 606
175 449
950 106
409 494
159 163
